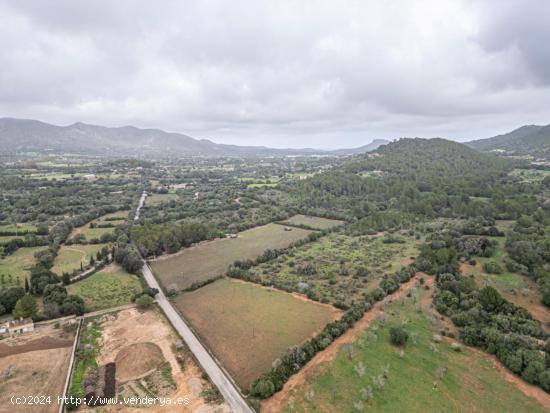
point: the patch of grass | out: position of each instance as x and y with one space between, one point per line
248 327
17 266
106 289
424 376
313 222
157 199
210 259
69 257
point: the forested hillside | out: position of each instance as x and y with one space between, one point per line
528 140
429 177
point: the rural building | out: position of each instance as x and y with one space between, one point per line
23 325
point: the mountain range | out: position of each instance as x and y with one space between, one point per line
24 135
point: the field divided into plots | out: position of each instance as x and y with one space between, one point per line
211 259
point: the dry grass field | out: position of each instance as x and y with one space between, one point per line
248 326
39 362
313 222
210 259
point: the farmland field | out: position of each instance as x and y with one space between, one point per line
210 259
336 268
23 228
248 326
426 375
313 222
69 257
157 199
107 288
18 264
40 361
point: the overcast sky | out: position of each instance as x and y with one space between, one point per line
280 73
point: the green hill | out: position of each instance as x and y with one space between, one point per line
528 140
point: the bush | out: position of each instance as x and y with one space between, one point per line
491 267
398 336
145 301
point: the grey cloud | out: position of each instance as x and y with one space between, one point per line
286 73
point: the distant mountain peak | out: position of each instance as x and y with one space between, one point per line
25 135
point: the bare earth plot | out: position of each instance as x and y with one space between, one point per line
210 259
142 344
313 222
248 326
39 362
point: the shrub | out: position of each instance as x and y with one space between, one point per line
491 267
145 301
398 336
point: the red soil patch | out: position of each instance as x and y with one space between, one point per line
46 343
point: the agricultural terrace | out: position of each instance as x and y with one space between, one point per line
150 359
210 259
16 267
313 222
35 363
70 257
110 287
337 268
425 375
248 326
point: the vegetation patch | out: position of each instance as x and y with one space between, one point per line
337 268
372 374
106 289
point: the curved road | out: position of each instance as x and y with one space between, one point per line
226 387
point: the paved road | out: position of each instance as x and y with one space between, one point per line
231 395
226 387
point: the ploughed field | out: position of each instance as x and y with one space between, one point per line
35 363
248 326
210 259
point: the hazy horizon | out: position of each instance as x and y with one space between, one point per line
283 75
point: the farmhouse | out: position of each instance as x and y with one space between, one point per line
23 325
